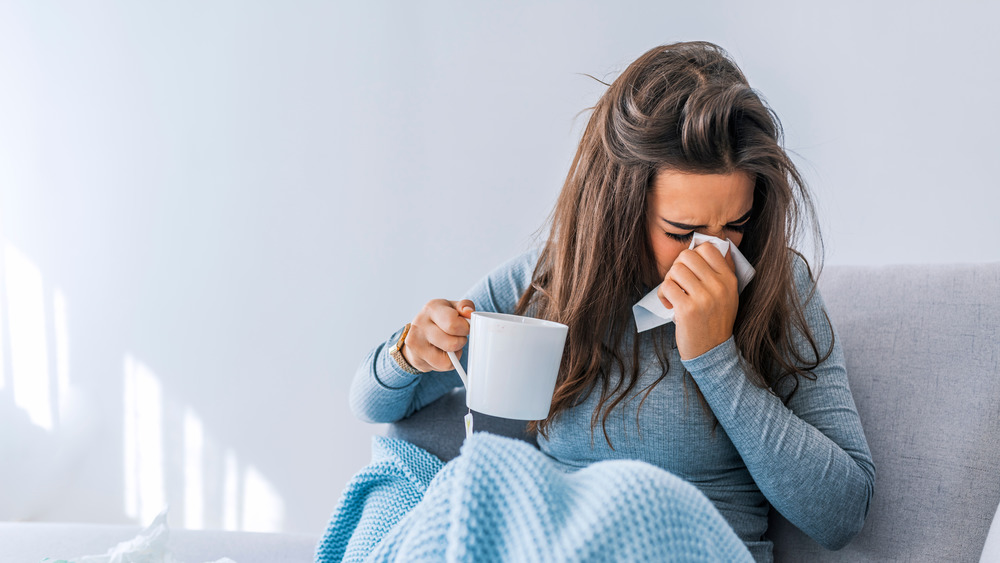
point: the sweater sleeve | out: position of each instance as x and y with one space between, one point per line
809 458
383 392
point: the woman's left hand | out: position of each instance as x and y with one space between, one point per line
702 289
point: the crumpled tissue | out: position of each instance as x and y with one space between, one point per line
650 312
150 546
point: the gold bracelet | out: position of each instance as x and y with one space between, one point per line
396 352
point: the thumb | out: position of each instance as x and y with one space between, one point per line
465 307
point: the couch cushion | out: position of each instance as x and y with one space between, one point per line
440 427
922 348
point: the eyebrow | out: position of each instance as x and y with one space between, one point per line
685 226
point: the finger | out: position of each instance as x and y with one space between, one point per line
447 318
428 356
681 275
439 361
695 263
727 258
663 296
723 266
672 293
465 307
712 257
731 261
444 341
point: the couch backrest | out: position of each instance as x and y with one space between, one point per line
923 357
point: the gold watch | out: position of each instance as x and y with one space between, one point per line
396 352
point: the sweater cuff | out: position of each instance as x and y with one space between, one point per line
388 374
717 362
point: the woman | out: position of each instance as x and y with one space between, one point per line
744 395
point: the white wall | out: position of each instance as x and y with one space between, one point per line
217 208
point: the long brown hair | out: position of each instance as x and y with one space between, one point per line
685 107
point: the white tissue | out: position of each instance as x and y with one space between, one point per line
150 546
650 312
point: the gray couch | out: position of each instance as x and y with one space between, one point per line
923 354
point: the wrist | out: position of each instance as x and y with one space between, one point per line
722 352
692 351
407 354
400 356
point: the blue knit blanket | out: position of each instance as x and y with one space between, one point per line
503 500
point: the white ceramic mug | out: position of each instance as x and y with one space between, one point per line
513 365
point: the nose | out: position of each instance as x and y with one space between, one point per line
717 233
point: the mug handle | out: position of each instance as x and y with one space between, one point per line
458 368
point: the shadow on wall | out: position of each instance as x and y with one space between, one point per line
48 429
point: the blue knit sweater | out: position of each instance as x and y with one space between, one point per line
809 460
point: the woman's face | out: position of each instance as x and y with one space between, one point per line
681 204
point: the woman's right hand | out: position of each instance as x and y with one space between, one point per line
442 326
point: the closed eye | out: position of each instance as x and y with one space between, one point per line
741 222
686 237
680 238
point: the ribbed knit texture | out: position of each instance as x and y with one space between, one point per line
503 500
809 459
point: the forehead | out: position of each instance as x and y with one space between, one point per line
701 198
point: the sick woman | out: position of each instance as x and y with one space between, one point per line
745 394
